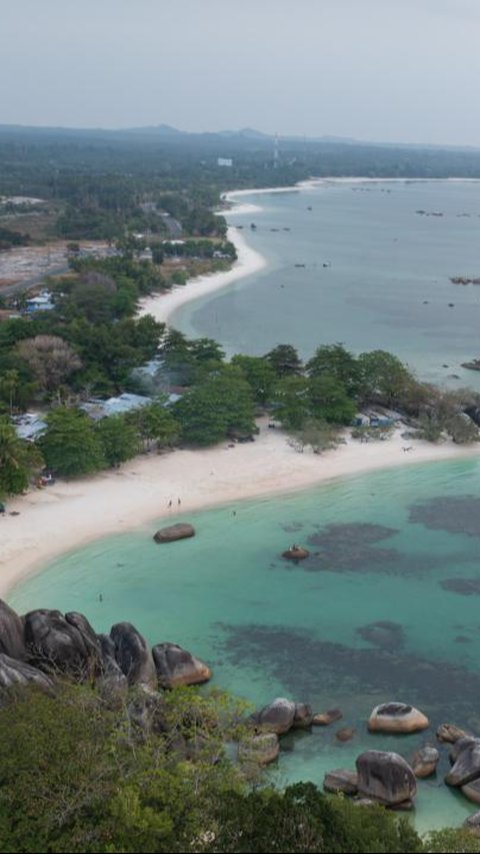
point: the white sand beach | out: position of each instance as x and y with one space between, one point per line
65 516
162 306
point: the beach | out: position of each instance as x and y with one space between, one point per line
67 515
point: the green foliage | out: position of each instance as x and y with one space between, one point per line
383 378
284 360
155 424
302 819
319 435
259 374
335 361
70 444
18 459
329 399
290 397
118 439
453 841
218 406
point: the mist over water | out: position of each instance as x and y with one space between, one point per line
381 610
386 284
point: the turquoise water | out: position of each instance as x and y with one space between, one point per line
386 262
396 546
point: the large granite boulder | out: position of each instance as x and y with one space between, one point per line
424 762
12 640
112 682
473 823
53 644
341 780
460 745
84 627
260 749
303 716
16 674
450 733
277 717
472 792
180 531
176 666
385 777
133 655
467 766
397 717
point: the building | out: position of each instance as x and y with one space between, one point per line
225 161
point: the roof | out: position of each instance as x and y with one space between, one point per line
126 402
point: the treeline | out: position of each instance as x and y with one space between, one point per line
10 238
153 774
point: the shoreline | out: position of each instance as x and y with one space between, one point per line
69 515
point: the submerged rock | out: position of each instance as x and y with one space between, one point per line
345 734
133 655
472 792
385 777
397 717
327 718
180 531
176 666
341 780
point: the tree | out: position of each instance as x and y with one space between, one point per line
50 359
329 400
290 397
284 360
384 378
319 435
118 439
259 374
18 459
155 423
70 445
220 405
335 361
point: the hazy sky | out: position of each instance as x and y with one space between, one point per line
392 70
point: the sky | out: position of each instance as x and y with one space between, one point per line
384 70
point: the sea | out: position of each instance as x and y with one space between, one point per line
387 605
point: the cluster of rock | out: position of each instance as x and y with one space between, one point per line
465 280
45 644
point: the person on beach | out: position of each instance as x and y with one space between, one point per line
170 504
179 502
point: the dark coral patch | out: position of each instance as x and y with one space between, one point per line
383 634
464 586
457 515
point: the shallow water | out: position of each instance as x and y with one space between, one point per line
387 287
386 544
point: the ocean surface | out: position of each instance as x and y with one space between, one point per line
385 608
385 284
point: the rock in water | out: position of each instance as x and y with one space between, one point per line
341 780
12 641
261 749
303 716
472 792
397 717
345 734
467 766
450 733
327 718
18 674
133 655
176 666
296 553
424 762
181 531
277 717
385 777
55 644
460 745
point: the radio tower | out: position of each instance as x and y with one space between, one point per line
276 155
